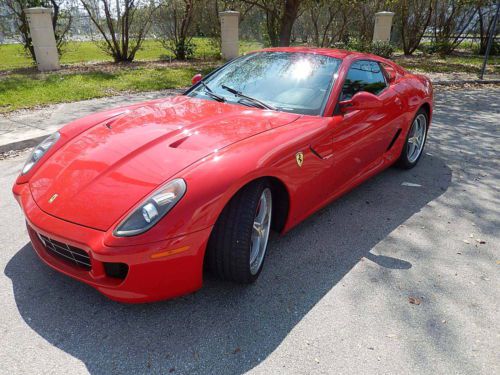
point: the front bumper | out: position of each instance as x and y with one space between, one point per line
156 271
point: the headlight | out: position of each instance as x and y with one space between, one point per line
39 151
150 211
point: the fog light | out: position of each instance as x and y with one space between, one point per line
149 212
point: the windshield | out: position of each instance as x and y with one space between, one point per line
291 82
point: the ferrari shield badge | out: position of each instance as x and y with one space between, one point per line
53 198
299 156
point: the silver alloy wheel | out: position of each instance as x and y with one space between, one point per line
260 231
416 140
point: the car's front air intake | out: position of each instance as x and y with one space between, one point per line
69 253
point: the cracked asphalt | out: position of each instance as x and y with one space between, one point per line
400 276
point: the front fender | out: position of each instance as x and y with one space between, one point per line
215 179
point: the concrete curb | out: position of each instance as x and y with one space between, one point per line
21 145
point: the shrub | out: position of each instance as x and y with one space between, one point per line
183 49
495 49
383 49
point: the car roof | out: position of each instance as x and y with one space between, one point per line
337 53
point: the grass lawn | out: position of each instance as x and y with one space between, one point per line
12 56
19 91
448 64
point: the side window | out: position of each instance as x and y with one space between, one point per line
363 75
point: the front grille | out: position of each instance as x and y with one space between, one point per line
69 253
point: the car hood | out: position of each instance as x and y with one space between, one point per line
107 169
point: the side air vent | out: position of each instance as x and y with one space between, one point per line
394 140
315 152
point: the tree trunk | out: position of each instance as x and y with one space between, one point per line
271 21
290 13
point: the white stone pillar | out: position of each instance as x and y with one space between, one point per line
383 26
229 29
42 36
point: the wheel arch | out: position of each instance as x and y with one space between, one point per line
280 207
281 199
428 109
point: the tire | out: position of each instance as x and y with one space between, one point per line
232 240
412 149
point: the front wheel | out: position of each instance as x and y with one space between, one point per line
238 243
415 141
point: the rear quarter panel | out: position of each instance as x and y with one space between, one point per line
415 91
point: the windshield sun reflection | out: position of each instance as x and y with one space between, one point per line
301 70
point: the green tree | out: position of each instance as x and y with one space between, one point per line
452 21
175 23
124 25
280 17
412 19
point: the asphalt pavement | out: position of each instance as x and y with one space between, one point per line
400 276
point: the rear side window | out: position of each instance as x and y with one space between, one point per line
363 75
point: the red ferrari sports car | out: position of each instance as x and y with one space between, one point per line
138 201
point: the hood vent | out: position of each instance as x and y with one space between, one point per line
178 142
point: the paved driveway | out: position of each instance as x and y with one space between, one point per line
333 297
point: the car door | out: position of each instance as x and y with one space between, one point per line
362 136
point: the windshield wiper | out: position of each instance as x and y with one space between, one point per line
249 98
212 94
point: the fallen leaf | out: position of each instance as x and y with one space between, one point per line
459 253
410 184
482 242
414 300
237 350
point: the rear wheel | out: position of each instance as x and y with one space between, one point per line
238 243
415 141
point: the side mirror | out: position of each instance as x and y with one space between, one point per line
361 101
196 78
